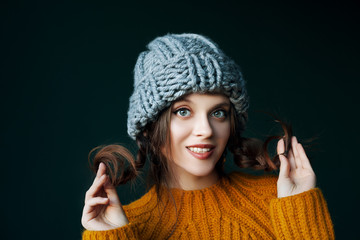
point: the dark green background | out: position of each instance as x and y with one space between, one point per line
66 76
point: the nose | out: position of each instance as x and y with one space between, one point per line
202 127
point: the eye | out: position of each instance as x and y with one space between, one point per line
219 114
183 112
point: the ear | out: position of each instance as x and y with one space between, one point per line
145 133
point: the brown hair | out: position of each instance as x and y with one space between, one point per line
252 152
122 167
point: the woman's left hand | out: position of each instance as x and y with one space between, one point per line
296 174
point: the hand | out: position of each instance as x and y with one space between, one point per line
102 210
296 174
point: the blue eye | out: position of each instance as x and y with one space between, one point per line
183 112
219 114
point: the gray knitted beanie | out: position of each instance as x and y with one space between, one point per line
178 64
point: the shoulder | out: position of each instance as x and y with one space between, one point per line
141 209
261 184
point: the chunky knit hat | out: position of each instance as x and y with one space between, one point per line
178 64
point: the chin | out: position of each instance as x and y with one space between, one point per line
201 171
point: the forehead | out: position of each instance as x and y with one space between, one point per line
204 98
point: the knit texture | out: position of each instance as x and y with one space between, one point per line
175 65
240 207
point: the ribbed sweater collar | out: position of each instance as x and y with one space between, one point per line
218 186
195 204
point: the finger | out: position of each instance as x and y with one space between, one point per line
93 202
284 162
284 167
297 158
95 187
111 193
97 201
101 171
280 146
291 159
304 159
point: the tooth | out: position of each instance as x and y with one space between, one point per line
199 150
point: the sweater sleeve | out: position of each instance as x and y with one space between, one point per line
302 216
128 231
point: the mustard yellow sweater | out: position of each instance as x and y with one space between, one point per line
239 207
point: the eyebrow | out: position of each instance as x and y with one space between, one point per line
222 104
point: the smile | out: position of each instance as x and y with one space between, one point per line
201 151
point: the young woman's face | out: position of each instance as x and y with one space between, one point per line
199 131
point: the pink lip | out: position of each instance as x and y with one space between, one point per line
202 146
202 156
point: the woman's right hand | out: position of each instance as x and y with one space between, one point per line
102 210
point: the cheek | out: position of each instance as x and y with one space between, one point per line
223 132
178 132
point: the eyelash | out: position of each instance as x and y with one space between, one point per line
220 110
180 109
225 113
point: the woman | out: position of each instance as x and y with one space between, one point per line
188 107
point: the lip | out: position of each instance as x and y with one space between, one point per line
202 146
201 156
